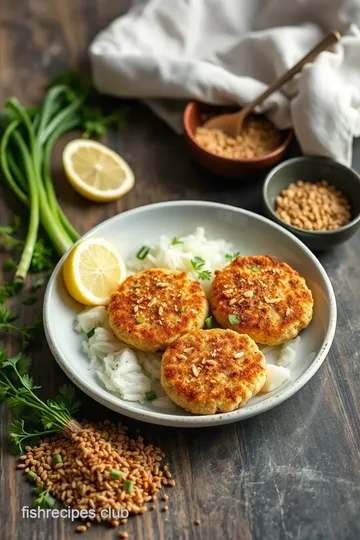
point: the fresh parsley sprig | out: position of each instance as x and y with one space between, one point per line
38 418
198 264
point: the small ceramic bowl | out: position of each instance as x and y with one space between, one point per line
194 115
315 169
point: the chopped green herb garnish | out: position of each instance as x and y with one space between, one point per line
139 320
9 265
31 476
208 322
143 252
38 283
91 333
204 275
57 459
10 289
197 263
233 319
136 286
128 486
29 300
255 269
115 474
232 256
39 488
182 309
45 500
30 335
176 240
150 395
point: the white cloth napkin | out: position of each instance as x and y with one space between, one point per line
228 52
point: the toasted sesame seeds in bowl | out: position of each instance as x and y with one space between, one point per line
323 214
230 165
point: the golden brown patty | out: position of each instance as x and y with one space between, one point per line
262 297
207 371
151 309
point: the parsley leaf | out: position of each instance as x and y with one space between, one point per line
43 257
197 263
204 275
176 241
9 264
255 269
6 315
232 256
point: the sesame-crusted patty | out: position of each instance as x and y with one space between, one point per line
262 297
151 309
209 371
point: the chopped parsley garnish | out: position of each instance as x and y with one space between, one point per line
9 265
182 309
232 256
208 322
139 320
197 263
91 333
136 286
255 269
150 395
204 275
176 241
38 283
29 300
233 319
143 252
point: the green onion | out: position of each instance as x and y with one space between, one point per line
233 319
208 322
31 476
39 488
255 269
142 253
57 459
128 486
150 395
115 474
91 333
139 320
182 309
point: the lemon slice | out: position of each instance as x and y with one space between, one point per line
93 271
95 171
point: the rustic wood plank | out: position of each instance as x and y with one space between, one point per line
292 473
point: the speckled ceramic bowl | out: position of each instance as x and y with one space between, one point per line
315 169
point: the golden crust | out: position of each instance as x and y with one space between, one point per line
151 309
269 298
204 371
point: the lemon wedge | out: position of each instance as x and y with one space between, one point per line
93 271
95 171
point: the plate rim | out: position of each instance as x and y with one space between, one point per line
158 418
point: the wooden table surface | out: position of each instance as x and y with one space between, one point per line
291 473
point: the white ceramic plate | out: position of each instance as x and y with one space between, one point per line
251 235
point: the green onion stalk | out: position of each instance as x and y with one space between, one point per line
25 157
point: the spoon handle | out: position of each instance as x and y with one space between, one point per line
329 40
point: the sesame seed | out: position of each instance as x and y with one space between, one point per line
195 370
152 302
232 301
248 294
182 356
239 355
288 311
273 300
162 284
81 529
211 363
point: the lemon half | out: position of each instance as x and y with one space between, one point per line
93 271
95 171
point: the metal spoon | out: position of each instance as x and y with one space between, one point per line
231 124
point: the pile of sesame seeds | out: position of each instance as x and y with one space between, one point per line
99 467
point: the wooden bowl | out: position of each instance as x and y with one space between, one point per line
194 115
